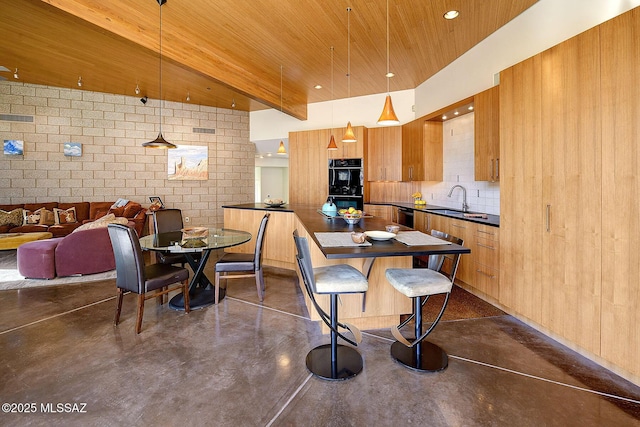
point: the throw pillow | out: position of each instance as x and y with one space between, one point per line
13 217
30 218
103 222
65 216
46 217
131 209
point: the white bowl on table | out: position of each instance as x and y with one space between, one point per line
379 235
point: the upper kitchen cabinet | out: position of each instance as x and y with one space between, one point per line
487 135
422 142
309 162
384 154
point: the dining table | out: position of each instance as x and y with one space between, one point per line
197 250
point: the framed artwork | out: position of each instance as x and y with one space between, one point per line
156 203
188 162
72 149
13 147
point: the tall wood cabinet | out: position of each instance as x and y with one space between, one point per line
384 154
551 188
487 134
620 104
309 162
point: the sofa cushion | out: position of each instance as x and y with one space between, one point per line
35 206
98 209
12 218
65 216
131 209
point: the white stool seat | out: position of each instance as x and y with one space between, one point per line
338 279
417 282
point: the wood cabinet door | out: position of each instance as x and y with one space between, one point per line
384 154
309 167
572 190
466 231
521 205
413 150
620 59
487 135
432 157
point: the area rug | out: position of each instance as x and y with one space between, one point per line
10 278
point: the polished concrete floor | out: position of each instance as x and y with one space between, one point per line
242 363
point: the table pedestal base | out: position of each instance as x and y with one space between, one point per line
198 298
348 363
423 357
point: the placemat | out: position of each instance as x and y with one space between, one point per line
329 240
418 238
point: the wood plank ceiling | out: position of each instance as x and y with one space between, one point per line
233 50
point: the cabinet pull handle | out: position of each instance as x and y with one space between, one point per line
548 218
485 246
459 226
492 179
492 276
497 169
487 232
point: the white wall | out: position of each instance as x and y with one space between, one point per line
274 183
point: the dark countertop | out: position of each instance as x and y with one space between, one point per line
492 220
316 222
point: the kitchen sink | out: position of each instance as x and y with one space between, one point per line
445 211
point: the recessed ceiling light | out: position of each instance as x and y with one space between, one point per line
470 107
452 14
444 117
317 87
389 74
456 113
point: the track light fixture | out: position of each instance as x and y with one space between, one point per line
15 74
80 81
188 96
137 90
233 103
144 99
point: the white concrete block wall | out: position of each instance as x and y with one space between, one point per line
114 164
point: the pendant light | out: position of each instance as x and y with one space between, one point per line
388 116
281 149
332 141
349 135
160 142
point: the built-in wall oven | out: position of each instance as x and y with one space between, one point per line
405 217
346 180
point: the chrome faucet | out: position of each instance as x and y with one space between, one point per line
465 206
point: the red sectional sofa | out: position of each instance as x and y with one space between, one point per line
85 212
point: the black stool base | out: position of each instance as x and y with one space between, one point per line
427 358
348 363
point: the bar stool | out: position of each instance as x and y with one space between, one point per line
419 284
331 361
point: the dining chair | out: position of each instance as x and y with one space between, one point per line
133 275
331 361
164 221
419 284
242 265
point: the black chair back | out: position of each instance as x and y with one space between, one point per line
128 254
257 258
165 220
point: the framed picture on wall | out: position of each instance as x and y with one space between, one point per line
13 147
72 149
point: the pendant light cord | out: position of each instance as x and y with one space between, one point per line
388 78
348 52
160 85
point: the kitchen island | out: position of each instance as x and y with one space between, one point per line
383 305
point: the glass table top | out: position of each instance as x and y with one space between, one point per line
204 239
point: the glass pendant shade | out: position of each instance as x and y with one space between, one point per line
332 144
349 136
159 142
281 149
388 116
